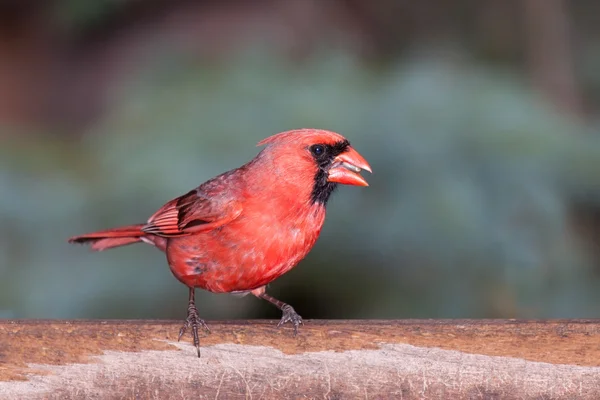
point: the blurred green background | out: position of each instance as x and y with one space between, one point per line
479 119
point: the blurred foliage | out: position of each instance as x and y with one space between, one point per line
466 214
77 15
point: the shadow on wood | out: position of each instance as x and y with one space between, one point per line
409 359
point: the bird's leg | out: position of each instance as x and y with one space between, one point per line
193 321
289 314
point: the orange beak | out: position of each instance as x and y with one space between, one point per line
346 168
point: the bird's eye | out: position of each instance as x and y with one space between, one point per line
317 149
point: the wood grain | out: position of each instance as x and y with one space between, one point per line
409 359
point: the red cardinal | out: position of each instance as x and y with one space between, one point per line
246 227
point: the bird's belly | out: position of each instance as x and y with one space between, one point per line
217 262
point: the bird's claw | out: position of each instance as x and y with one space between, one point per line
290 315
193 321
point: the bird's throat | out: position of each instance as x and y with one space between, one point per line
322 188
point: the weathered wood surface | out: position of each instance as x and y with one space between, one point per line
408 359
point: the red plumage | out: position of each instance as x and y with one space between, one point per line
246 227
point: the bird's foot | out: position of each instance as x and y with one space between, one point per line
193 321
290 315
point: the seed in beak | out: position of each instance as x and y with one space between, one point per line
351 167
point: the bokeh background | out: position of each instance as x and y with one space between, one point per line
479 118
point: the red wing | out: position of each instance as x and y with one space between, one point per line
191 213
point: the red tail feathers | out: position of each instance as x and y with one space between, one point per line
116 237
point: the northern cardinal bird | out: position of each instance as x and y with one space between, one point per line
246 227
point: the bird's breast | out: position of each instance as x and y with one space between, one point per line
247 253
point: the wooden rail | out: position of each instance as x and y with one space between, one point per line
407 359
